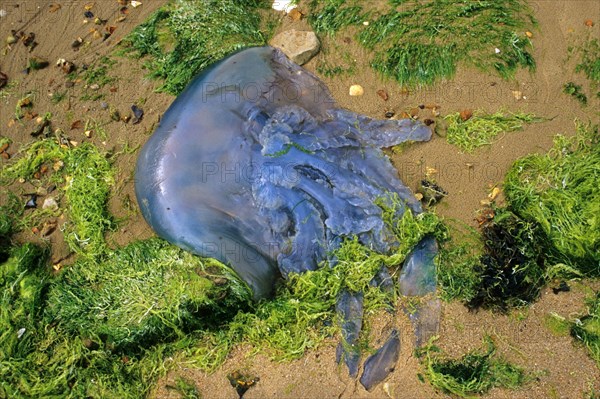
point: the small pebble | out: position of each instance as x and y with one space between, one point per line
466 114
295 14
49 227
49 203
562 287
383 94
115 115
76 43
389 114
356 90
88 14
3 13
58 165
517 94
138 114
103 105
95 86
494 194
31 202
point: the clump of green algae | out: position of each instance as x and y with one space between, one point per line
186 36
586 329
483 129
560 192
420 43
474 373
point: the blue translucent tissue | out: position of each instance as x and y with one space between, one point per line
380 364
350 309
255 165
418 278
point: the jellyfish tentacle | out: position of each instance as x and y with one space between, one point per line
349 308
372 165
380 133
299 246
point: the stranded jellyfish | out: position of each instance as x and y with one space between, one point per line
255 165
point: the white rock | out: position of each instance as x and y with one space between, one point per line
299 46
3 13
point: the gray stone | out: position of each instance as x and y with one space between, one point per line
299 46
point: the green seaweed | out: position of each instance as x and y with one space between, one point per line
8 212
474 373
286 148
557 324
548 229
587 53
142 294
186 388
330 16
184 37
88 177
576 91
457 266
85 178
420 43
586 329
560 192
483 129
105 329
511 269
589 62
97 73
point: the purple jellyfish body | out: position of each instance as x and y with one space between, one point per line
254 165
